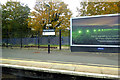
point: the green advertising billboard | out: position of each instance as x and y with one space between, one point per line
96 31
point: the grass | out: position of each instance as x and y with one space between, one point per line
41 45
47 45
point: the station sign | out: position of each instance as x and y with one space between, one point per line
48 32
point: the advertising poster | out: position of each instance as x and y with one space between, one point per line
95 31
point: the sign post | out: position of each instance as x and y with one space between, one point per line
48 32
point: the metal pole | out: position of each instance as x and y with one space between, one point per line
48 44
48 49
48 28
59 39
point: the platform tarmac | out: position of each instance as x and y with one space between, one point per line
92 64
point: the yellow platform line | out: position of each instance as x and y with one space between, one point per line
57 63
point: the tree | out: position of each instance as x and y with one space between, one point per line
14 19
0 24
83 10
98 8
55 13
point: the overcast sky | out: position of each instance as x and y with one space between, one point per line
72 4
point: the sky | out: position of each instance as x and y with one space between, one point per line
72 4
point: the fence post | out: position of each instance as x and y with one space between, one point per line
38 39
69 38
59 39
21 40
7 39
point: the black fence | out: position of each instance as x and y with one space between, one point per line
34 41
38 40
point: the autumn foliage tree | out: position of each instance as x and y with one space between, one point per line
98 8
14 19
55 13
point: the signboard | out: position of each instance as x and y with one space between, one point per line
48 32
95 31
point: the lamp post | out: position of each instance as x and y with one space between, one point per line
48 25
